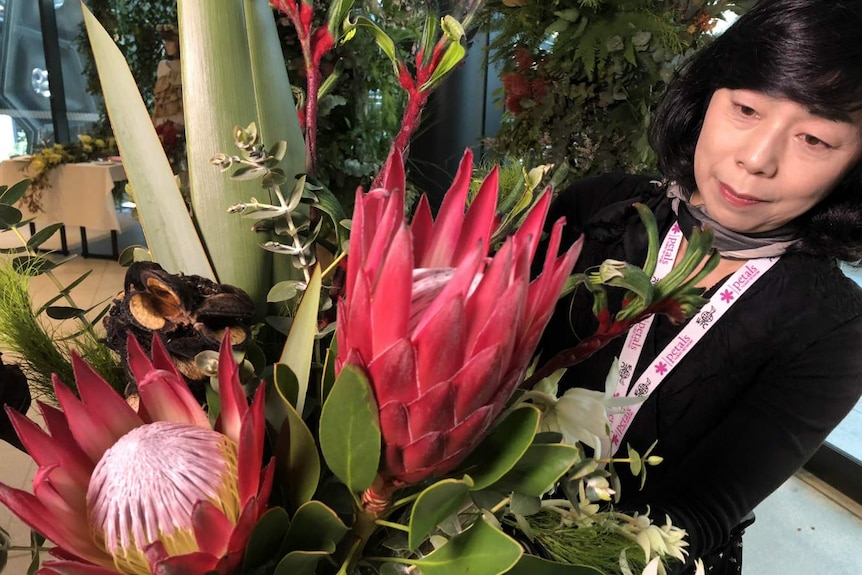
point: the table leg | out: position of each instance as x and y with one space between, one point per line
85 249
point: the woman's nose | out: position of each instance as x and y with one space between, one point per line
759 151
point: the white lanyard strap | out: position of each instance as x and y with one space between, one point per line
679 347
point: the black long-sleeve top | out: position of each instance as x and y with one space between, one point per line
750 403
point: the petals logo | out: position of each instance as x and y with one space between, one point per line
748 274
637 336
706 317
661 368
625 370
675 353
727 296
668 252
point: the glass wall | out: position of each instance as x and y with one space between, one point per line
26 117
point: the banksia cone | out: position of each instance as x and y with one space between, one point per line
443 331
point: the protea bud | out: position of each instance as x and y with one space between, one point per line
443 331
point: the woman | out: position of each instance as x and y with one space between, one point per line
760 136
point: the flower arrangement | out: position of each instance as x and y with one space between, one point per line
420 436
45 159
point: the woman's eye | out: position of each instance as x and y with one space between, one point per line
814 141
746 110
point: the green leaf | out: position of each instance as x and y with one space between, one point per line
282 291
328 378
42 236
33 265
297 460
329 204
532 565
299 347
134 254
286 384
13 194
167 225
382 38
502 449
63 292
315 527
350 430
540 469
9 216
433 505
266 538
302 562
525 504
63 312
480 550
455 52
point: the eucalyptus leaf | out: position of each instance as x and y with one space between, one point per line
539 469
433 505
525 504
502 449
14 193
350 430
61 312
282 291
9 216
32 265
42 236
480 550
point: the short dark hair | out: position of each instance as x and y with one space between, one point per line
808 51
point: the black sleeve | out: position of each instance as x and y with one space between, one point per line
581 201
771 432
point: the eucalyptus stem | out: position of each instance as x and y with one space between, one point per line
66 295
392 524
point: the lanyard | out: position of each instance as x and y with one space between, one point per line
679 347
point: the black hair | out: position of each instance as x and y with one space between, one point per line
809 51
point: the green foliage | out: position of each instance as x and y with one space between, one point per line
133 26
42 348
581 77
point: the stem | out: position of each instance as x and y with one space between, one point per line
501 505
333 265
294 235
363 528
393 525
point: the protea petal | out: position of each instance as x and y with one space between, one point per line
50 452
440 345
73 568
250 447
35 514
233 402
422 228
393 174
473 383
480 218
138 361
425 452
433 411
450 218
117 415
162 563
390 306
393 374
212 528
161 357
86 427
395 424
359 338
386 228
167 398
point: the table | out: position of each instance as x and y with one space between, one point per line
79 195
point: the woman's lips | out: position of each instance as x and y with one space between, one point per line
737 200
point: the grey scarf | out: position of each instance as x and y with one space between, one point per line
731 245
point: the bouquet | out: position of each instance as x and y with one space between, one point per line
420 436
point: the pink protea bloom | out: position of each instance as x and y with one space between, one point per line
443 331
153 491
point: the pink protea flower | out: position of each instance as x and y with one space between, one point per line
153 491
443 332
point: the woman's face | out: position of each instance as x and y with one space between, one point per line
761 161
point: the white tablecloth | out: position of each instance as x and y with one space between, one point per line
79 194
